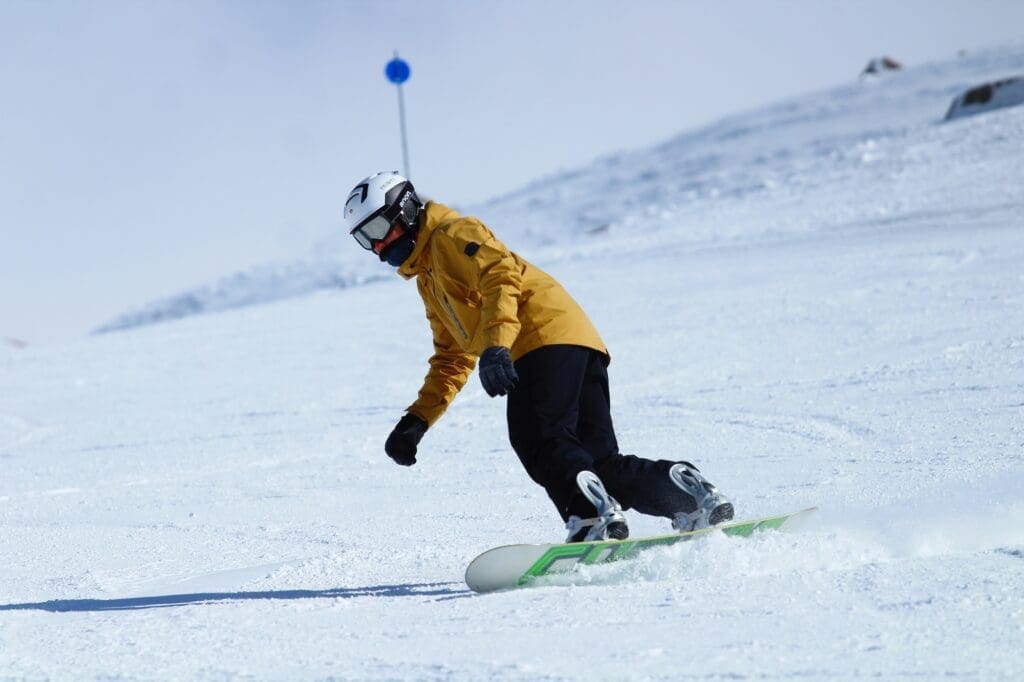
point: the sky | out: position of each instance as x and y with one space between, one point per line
149 147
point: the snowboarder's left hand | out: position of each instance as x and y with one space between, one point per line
497 373
401 444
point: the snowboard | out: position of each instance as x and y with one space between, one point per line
518 565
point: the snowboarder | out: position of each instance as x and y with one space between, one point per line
536 346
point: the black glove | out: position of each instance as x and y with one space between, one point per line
497 373
401 444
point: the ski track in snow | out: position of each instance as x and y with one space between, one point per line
820 303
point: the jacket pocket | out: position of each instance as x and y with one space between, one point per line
456 290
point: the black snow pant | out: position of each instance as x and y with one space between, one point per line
559 423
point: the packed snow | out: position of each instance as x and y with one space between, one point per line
820 303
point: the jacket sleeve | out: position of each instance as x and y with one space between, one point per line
500 287
450 367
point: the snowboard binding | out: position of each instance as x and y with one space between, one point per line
710 506
609 524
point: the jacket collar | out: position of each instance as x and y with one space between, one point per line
432 216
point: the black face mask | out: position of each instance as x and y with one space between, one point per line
399 251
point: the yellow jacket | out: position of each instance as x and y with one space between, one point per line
479 294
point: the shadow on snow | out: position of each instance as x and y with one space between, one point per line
439 590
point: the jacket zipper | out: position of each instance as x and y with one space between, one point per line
451 313
447 305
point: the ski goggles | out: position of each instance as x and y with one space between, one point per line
372 231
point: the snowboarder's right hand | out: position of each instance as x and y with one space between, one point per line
401 444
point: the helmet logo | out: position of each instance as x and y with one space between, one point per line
363 189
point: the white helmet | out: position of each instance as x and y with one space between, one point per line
379 204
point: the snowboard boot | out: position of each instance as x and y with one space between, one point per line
608 524
706 506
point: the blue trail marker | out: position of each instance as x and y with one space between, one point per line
397 71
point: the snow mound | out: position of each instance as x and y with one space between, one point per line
260 285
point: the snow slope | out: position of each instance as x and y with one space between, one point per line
820 303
